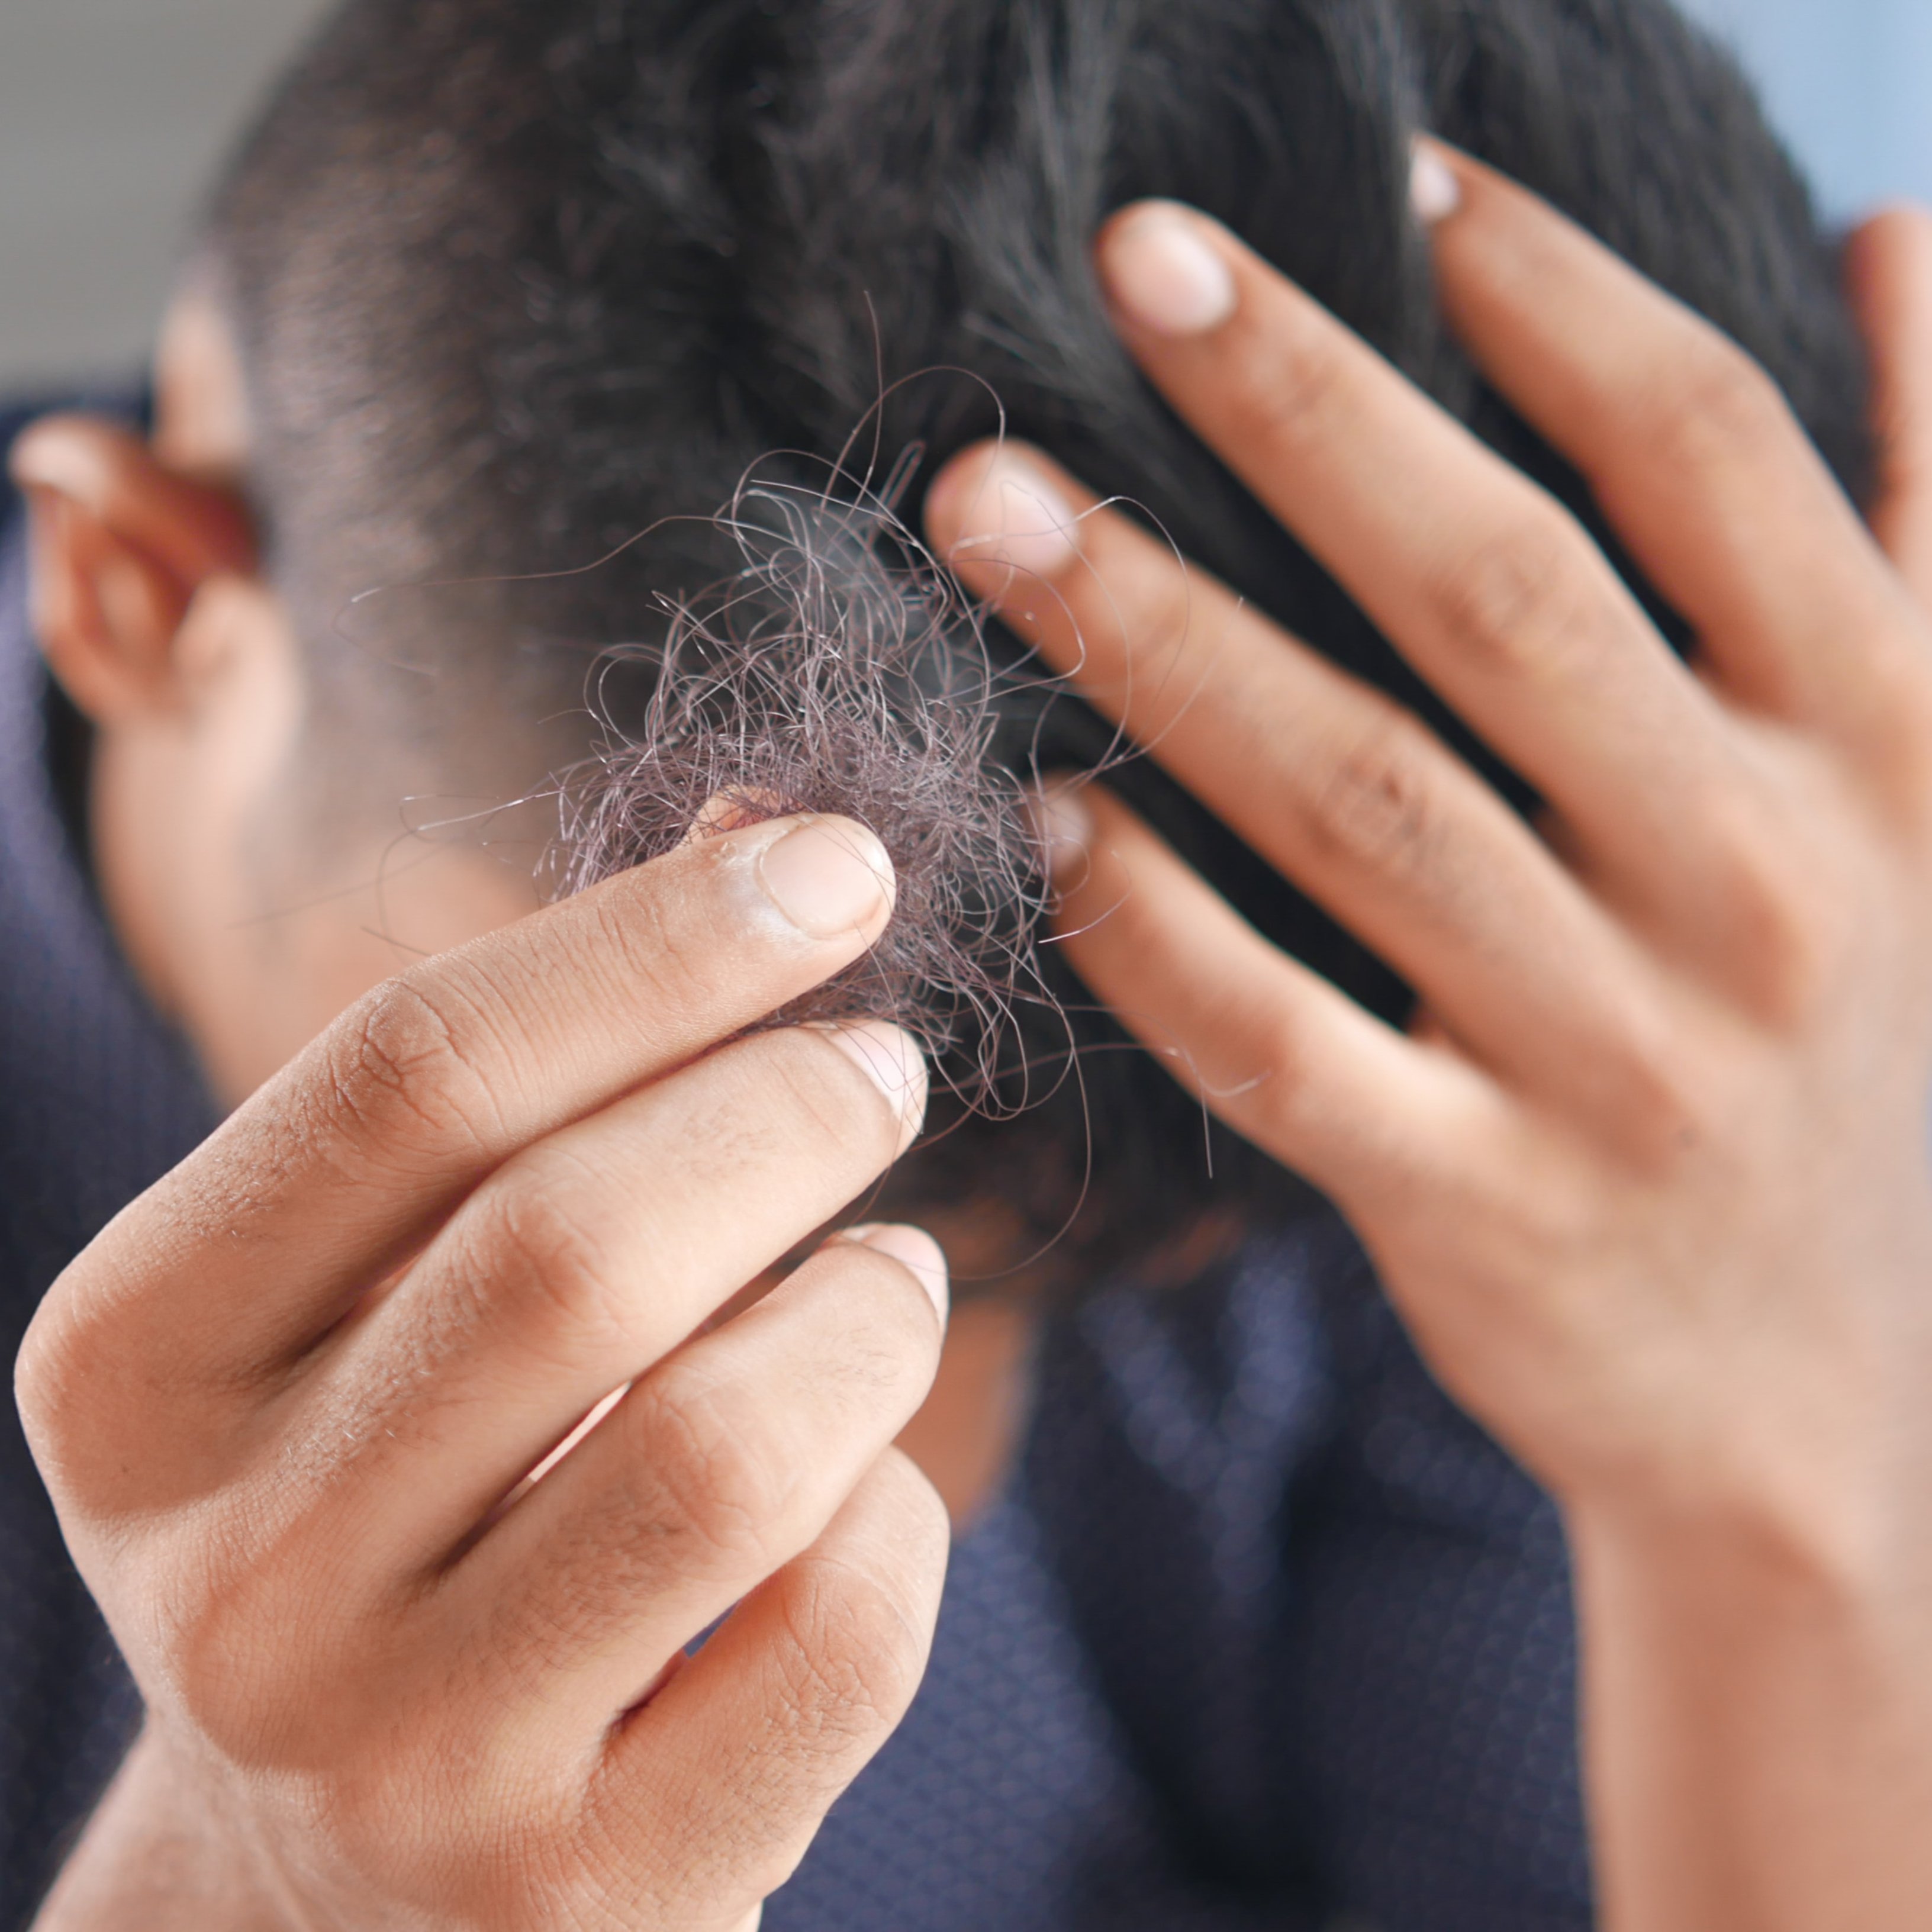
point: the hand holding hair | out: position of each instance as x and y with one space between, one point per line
291 1403
1648 1177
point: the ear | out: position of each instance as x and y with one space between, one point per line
120 545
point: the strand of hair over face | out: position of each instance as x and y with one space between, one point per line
837 670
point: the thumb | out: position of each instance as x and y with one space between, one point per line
1888 280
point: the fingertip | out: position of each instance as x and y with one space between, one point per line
952 490
1887 273
916 1251
1062 823
829 877
56 454
891 1059
1163 271
112 474
1435 186
1902 224
999 507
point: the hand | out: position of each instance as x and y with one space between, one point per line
288 1403
1649 1178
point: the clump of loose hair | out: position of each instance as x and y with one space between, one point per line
838 669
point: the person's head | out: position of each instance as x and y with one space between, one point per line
497 285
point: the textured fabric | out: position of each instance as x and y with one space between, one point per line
1261 1632
1264 1632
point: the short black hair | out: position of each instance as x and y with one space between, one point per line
515 279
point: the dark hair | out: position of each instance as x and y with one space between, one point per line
515 279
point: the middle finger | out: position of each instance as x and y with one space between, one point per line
1489 586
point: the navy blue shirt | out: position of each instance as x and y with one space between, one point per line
1261 1631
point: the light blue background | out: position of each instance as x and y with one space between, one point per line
1848 82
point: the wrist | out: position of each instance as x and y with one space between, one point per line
1757 1696
157 1856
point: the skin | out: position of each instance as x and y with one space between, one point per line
484 1119
151 610
1647 1181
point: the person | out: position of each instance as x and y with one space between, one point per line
1263 1628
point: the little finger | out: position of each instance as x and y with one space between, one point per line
737 1760
1697 459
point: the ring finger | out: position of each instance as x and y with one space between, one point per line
723 1463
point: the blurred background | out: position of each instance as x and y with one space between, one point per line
113 113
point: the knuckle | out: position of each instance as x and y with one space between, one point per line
1789 898
1165 605
81 1399
1295 393
721 1486
1378 805
1271 1098
409 1074
400 1808
854 1660
861 1620
53 1359
205 1618
1666 1115
1717 409
887 1332
664 965
1791 945
1525 600
1656 1085
534 1237
920 1538
1138 621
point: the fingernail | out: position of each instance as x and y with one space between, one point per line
732 810
1063 826
829 877
912 1248
1011 514
1162 271
1434 192
891 1060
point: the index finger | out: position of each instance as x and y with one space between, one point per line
345 1162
